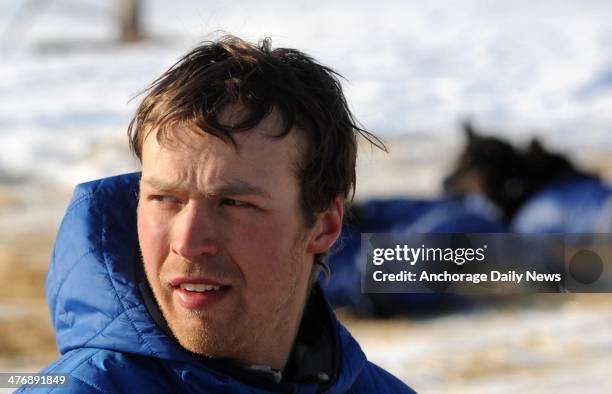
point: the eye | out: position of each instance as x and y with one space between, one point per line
164 199
236 203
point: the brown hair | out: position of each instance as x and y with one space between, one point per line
308 95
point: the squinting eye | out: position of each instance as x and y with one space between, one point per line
162 198
235 203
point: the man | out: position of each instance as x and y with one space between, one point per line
200 273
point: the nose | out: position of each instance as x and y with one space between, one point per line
193 233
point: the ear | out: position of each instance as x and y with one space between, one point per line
468 130
327 227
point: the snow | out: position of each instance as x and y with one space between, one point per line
540 347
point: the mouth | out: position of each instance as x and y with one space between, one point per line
199 288
198 294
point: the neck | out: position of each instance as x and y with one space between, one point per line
280 341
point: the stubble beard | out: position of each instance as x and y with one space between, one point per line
198 331
240 332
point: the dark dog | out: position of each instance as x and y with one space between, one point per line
507 176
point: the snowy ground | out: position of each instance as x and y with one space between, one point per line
522 68
543 344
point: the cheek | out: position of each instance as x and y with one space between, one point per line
152 236
255 242
263 250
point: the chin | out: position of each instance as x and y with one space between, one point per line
196 335
197 340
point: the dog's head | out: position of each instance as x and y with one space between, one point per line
492 167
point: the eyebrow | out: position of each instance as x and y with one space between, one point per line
233 187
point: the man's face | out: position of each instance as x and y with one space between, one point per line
224 242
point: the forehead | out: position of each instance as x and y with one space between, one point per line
186 151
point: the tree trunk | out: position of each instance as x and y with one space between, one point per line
129 20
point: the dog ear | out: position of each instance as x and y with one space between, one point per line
469 130
535 146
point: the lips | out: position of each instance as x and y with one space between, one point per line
198 293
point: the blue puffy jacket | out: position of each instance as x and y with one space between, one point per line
110 341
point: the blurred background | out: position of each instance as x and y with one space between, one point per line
414 72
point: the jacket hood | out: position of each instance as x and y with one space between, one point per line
92 284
